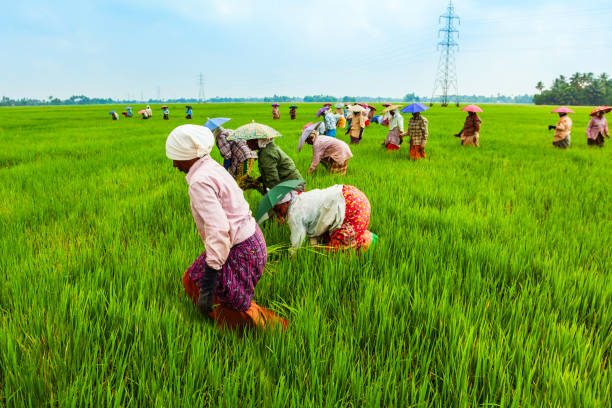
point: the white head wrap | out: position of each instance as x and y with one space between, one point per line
288 197
187 142
264 142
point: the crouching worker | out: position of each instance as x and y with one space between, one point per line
336 217
221 282
274 165
332 152
238 158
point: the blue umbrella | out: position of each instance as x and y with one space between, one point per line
111 112
415 107
214 123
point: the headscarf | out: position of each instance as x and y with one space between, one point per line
397 121
188 142
314 134
216 131
288 197
264 142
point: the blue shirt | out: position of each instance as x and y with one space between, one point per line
330 120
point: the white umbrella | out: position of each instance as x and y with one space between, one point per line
305 133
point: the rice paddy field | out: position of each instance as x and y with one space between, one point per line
490 284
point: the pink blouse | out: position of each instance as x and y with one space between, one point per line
221 213
326 146
596 126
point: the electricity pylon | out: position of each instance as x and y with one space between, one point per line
446 77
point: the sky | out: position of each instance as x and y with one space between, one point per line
256 48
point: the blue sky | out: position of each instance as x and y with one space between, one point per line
259 48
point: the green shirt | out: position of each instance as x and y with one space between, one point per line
275 166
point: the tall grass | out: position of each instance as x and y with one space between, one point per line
490 285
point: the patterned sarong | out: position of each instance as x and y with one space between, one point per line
334 167
236 285
237 280
598 141
417 152
563 144
472 140
354 230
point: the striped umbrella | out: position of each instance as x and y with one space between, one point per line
254 131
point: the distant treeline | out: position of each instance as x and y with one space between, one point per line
579 89
411 97
520 99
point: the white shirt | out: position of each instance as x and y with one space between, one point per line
316 212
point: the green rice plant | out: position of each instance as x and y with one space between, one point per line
490 284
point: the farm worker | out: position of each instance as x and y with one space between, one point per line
334 153
357 124
396 130
166 112
470 134
292 112
371 110
128 112
274 164
329 119
275 112
228 270
598 127
336 217
386 119
341 120
114 115
563 128
188 111
146 113
418 131
239 158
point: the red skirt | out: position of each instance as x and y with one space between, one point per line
417 152
354 230
391 146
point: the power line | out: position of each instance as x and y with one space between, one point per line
446 77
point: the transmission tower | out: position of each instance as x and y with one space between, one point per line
201 96
446 77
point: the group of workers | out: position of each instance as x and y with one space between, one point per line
221 282
596 131
356 117
147 112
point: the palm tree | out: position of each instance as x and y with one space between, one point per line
576 80
540 86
